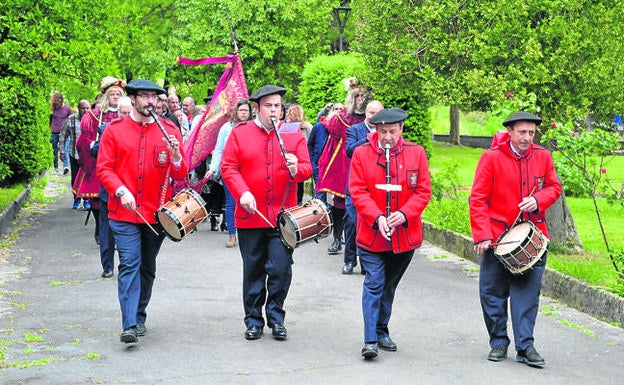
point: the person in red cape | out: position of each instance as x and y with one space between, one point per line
333 164
515 179
386 241
87 185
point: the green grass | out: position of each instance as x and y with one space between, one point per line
466 158
471 123
586 221
9 194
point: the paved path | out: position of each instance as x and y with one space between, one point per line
51 289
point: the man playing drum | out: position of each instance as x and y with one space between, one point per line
135 163
262 167
515 180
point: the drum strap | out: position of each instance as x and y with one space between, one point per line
285 195
163 189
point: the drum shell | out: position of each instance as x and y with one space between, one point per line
181 215
309 221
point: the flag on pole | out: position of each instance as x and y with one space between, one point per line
230 89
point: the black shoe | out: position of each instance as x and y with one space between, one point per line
141 330
531 357
97 239
386 343
129 336
214 224
335 247
498 353
369 350
107 274
347 268
279 332
253 332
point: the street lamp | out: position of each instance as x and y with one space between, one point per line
341 14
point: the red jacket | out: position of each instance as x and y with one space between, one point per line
502 180
134 155
408 168
252 161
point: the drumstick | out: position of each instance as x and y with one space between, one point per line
493 245
266 220
520 213
144 220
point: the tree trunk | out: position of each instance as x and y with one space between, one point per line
454 118
561 227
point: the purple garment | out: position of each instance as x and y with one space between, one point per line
58 118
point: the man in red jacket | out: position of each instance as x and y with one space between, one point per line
514 180
389 226
263 181
135 163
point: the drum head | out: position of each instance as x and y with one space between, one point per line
513 238
288 229
170 223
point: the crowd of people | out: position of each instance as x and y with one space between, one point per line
126 151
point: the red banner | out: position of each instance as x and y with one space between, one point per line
230 89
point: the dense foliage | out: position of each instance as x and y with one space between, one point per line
416 53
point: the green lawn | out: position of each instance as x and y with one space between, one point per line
471 123
9 194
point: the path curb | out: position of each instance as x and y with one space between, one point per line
10 213
570 291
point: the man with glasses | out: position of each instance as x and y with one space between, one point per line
135 163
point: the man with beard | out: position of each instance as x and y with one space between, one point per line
334 163
135 162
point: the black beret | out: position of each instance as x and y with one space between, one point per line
389 116
522 116
207 98
266 91
143 85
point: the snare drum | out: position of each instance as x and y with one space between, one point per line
182 214
521 247
305 222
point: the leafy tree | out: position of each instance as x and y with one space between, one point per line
275 38
383 36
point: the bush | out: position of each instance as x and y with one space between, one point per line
322 81
25 148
